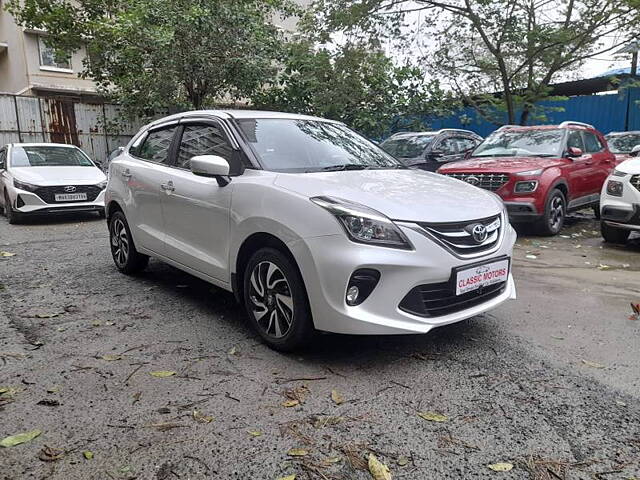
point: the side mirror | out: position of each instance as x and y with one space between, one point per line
211 166
635 151
573 152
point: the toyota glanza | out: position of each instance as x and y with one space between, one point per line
310 225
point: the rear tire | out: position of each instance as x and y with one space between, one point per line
276 301
13 217
127 259
613 234
554 214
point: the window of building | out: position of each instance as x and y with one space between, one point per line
49 59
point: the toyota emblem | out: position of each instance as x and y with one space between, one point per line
472 180
479 233
70 189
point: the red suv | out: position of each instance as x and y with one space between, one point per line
540 172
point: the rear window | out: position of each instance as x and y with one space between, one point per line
623 143
407 146
45 156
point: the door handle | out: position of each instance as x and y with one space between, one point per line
167 187
126 173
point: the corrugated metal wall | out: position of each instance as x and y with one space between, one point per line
49 119
608 113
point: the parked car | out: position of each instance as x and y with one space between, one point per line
540 172
429 150
309 224
622 144
620 202
47 178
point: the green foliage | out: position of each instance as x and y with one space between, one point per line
356 84
154 55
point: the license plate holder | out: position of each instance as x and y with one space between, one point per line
70 197
468 278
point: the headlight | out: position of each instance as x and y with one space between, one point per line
530 172
527 186
363 224
615 188
103 185
618 173
24 186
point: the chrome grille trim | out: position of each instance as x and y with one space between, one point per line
488 181
456 238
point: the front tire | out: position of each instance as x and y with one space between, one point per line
276 300
554 214
127 259
613 234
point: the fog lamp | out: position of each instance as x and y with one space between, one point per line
361 284
352 295
615 188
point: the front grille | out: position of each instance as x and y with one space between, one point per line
488 181
635 181
438 299
458 238
48 194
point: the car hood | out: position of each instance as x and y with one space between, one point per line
46 176
410 195
630 166
500 164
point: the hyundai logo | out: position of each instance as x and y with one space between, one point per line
70 189
472 180
479 232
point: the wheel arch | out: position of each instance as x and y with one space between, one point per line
113 207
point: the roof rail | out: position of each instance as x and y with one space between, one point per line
577 124
455 130
508 126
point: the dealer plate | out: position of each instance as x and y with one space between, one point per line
473 278
70 197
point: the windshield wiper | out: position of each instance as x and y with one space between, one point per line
345 166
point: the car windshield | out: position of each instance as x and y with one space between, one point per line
520 143
48 156
623 143
407 146
289 145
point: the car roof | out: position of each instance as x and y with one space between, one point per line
568 124
434 132
240 114
630 132
42 144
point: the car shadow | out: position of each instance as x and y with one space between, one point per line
59 218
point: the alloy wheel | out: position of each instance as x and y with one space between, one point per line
271 300
119 242
556 213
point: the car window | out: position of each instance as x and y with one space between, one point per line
592 143
574 139
448 146
48 156
407 146
3 159
465 144
543 142
156 145
202 140
623 143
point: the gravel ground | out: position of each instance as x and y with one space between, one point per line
549 383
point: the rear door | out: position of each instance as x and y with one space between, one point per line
143 171
196 209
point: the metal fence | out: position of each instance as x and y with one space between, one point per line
95 127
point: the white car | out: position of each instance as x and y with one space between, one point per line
44 178
620 202
312 226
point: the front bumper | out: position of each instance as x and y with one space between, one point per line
27 202
623 211
327 262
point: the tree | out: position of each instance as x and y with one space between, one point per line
356 84
499 56
153 55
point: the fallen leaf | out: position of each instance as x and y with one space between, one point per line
255 433
378 470
557 337
50 454
288 477
402 461
433 417
501 467
97 323
7 254
162 373
111 358
87 454
336 397
297 452
622 404
290 403
321 421
199 417
332 460
593 364
48 315
233 351
298 393
164 410
19 438
47 402
9 391
136 397
54 389
163 427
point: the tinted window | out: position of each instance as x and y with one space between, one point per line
202 140
48 156
407 146
156 145
574 139
289 145
591 143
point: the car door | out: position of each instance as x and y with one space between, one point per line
143 171
196 209
603 161
578 170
